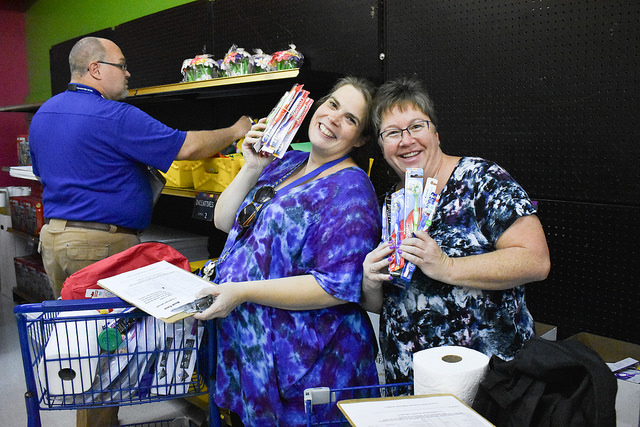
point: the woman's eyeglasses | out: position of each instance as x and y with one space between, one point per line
248 214
394 136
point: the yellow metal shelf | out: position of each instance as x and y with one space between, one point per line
221 81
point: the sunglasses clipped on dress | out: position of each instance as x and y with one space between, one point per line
266 193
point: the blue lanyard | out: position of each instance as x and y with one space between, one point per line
286 188
75 87
308 176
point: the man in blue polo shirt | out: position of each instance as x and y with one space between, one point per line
92 155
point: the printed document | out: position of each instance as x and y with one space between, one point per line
419 411
160 289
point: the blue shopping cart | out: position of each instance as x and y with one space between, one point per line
320 403
79 354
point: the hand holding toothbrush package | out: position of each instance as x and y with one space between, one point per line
284 121
407 210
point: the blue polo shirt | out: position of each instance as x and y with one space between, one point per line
91 155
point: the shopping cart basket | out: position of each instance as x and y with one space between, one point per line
320 403
104 352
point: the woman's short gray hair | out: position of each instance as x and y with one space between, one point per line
402 93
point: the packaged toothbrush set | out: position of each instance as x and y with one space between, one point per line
284 120
407 210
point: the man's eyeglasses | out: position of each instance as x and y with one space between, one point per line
122 66
394 136
248 214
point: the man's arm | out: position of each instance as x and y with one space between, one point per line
200 144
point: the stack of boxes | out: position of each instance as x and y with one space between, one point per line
31 278
26 214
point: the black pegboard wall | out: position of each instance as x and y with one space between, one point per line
334 35
592 286
519 82
156 45
549 90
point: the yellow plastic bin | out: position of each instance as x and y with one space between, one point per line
216 173
180 174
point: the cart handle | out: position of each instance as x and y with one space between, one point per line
72 305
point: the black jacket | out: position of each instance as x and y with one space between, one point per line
549 383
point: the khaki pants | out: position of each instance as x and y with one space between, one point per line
66 250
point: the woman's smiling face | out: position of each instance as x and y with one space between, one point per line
336 126
412 151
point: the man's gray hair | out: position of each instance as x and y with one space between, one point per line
84 52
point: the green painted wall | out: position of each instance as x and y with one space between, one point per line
49 22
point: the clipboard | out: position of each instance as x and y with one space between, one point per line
400 411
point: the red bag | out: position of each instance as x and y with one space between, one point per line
80 283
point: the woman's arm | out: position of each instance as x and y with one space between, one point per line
288 293
521 256
231 198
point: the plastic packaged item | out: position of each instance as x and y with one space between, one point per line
284 120
24 154
260 62
237 62
430 201
396 230
202 67
287 59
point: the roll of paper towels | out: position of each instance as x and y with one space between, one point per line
450 370
70 356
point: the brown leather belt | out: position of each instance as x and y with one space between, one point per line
99 226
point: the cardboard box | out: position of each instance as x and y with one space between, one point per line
548 332
628 396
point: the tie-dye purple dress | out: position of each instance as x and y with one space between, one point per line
479 202
268 356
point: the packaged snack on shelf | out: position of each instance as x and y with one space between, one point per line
33 214
202 67
260 62
24 154
284 120
221 71
236 62
287 59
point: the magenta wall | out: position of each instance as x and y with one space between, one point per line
13 89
